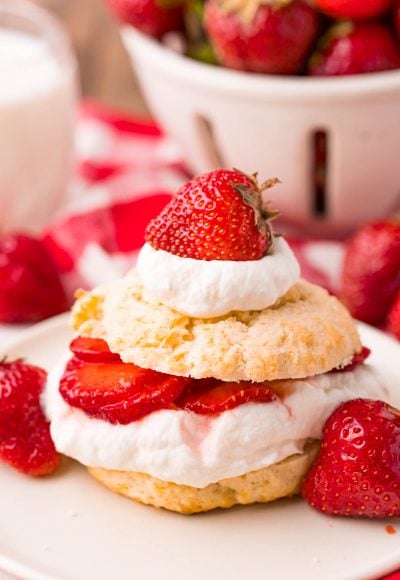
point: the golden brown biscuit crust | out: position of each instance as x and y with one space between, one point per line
307 332
265 485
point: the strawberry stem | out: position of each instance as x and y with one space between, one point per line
247 9
252 197
268 184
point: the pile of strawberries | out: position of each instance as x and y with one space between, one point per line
281 37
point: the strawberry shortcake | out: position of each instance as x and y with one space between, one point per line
203 378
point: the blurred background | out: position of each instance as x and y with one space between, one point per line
91 182
105 71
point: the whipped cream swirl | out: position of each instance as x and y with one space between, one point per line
207 289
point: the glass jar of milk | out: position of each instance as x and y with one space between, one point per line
37 114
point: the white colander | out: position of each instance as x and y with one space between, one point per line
334 143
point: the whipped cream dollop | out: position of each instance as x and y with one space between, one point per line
196 450
206 289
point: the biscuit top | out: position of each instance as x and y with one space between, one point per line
306 332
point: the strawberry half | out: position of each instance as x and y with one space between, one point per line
217 216
118 392
354 9
371 271
25 441
358 470
30 286
350 49
93 350
270 37
212 396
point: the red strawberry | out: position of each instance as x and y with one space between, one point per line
25 441
217 216
354 9
118 392
93 350
358 359
349 49
397 17
394 317
265 37
153 17
30 287
371 271
212 396
358 469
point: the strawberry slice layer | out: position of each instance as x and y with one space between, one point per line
358 359
220 397
99 383
118 392
93 350
154 394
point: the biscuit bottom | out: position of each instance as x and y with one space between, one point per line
280 480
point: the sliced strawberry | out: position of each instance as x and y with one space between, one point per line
118 392
25 441
357 360
93 350
212 398
155 394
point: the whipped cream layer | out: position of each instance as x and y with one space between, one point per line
206 289
196 450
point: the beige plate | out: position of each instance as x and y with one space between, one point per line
69 527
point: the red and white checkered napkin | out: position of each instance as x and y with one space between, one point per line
127 171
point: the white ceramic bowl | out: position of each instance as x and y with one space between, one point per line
269 124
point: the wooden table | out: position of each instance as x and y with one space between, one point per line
106 74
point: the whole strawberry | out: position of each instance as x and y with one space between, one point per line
25 441
271 37
30 286
349 49
217 216
393 320
354 9
371 271
358 470
153 17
